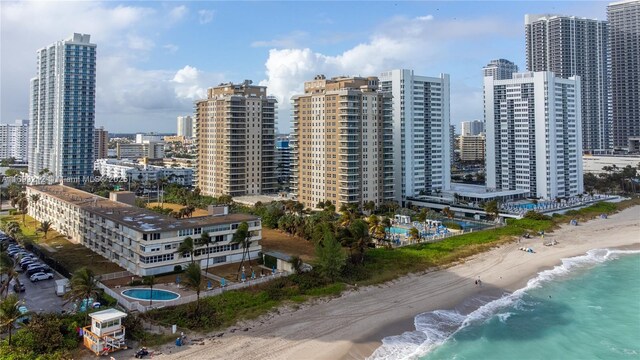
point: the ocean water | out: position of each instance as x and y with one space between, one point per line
586 308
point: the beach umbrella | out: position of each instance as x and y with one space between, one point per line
209 284
253 274
273 269
178 279
223 282
243 277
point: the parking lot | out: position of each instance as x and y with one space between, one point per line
39 296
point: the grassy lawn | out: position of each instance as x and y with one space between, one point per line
276 240
177 207
70 255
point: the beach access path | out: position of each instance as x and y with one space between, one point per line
352 325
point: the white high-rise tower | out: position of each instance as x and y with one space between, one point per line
533 124
421 137
62 109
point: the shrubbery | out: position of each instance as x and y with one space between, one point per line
534 215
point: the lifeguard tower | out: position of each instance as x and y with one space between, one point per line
106 333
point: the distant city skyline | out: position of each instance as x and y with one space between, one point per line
152 63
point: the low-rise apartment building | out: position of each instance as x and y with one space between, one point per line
151 150
133 171
140 240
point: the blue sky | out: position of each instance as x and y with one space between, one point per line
156 58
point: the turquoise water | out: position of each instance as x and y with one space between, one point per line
587 308
145 294
526 206
397 230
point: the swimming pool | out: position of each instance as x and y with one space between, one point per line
398 230
145 294
529 206
466 225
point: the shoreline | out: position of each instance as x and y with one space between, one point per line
353 325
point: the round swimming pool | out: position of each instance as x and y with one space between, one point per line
145 294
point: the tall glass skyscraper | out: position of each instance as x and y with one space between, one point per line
624 49
62 109
569 46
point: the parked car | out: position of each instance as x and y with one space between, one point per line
27 264
40 276
13 251
38 269
32 265
19 254
27 259
18 289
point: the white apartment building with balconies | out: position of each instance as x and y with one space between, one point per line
421 132
533 137
140 240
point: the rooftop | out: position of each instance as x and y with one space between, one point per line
139 219
107 315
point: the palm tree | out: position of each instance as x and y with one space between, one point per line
187 247
414 234
45 226
150 281
360 233
83 286
22 203
34 199
369 206
242 236
12 228
193 280
9 313
7 268
188 211
205 240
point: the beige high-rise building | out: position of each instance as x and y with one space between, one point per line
235 134
342 142
472 147
100 143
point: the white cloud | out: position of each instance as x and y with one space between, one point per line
290 40
171 48
425 18
423 43
205 16
192 84
178 13
128 98
136 42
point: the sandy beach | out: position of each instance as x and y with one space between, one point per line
352 326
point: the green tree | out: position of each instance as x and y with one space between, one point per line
187 246
7 268
414 234
9 313
359 230
242 236
149 281
205 240
45 226
12 228
369 206
22 203
83 287
193 280
331 257
492 209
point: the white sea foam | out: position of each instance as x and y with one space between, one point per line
435 327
